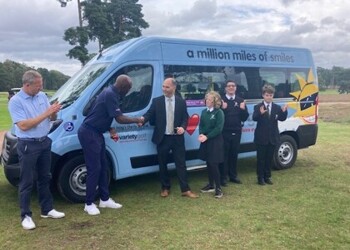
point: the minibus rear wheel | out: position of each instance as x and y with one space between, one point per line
285 153
71 180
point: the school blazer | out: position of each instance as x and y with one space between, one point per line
267 126
156 115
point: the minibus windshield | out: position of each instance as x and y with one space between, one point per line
72 89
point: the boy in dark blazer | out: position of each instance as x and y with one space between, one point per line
266 135
236 113
168 114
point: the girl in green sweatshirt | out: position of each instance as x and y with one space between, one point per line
211 148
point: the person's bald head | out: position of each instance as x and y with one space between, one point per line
169 87
123 84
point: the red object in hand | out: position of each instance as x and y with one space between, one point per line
115 137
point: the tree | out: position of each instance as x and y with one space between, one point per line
325 77
337 76
5 79
108 22
114 21
57 79
78 37
46 77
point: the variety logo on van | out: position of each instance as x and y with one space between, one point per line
132 137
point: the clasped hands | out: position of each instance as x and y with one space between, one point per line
202 138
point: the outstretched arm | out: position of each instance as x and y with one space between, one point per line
123 119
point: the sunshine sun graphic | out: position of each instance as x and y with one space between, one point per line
305 103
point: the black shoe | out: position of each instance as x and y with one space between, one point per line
208 189
236 181
261 182
268 181
223 184
218 193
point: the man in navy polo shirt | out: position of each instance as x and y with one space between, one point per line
104 109
31 113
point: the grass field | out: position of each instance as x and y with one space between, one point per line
5 120
308 207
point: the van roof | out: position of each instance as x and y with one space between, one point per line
175 49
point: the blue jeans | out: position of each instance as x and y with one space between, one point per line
34 157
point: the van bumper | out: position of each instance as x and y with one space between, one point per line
9 158
12 173
307 135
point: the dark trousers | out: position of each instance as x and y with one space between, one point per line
213 174
94 149
34 156
231 149
264 160
176 145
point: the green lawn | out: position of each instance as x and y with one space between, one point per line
306 208
5 121
329 92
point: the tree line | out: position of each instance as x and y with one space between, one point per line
11 76
336 77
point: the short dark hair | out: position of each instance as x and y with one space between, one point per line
230 81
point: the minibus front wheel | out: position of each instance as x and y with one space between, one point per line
71 180
285 153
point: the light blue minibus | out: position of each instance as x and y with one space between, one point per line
197 66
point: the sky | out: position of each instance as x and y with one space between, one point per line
31 31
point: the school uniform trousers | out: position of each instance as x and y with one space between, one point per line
266 137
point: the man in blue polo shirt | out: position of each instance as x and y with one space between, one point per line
99 119
31 113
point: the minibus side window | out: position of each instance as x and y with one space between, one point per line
141 92
139 95
277 78
193 82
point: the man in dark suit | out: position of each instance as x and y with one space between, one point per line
266 135
168 113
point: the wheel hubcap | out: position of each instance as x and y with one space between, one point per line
77 180
285 153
